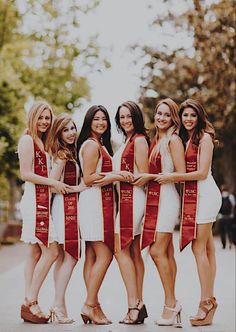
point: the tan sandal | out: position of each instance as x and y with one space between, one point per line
208 314
28 316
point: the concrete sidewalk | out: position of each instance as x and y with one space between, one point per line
113 296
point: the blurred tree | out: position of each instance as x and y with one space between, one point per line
39 53
204 70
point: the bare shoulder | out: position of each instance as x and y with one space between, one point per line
59 162
175 140
206 138
90 147
140 141
25 142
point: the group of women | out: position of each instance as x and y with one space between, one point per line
56 166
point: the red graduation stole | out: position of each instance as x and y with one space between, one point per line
42 197
72 242
152 200
107 193
189 208
126 195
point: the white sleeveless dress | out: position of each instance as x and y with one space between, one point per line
138 196
28 214
90 207
57 210
209 200
169 204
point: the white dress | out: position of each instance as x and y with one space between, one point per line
138 196
90 208
57 210
28 213
208 200
169 204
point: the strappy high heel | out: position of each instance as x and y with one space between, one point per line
101 313
28 316
142 314
94 315
174 320
58 316
208 314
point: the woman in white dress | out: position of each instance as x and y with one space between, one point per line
132 156
35 205
63 148
96 207
166 155
198 132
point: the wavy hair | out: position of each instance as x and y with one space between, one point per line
174 128
58 147
203 124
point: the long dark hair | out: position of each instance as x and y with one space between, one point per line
85 132
203 124
137 119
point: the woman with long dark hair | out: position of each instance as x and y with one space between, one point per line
96 206
132 156
201 201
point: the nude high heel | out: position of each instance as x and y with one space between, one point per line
208 314
174 320
93 315
58 316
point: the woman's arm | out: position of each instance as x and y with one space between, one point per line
141 160
205 158
26 153
90 156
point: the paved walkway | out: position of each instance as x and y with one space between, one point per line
113 297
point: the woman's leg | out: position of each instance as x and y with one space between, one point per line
159 254
199 248
128 273
90 259
33 256
212 262
48 256
171 257
61 281
103 258
139 265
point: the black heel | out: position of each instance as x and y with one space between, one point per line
142 315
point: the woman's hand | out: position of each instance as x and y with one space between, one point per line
141 179
79 188
60 187
107 179
164 178
128 176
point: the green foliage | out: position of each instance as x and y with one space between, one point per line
205 70
39 52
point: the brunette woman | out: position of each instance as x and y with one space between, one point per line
96 207
132 156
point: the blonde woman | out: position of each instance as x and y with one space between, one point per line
163 203
37 230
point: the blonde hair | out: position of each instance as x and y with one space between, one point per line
174 128
33 116
58 147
